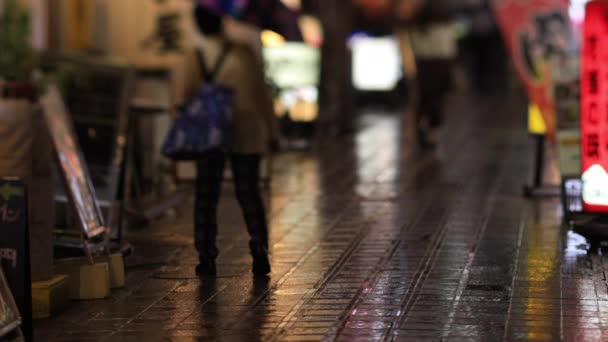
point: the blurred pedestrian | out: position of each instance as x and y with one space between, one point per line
255 133
428 40
483 50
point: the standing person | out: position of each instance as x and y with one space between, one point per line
483 49
255 133
429 46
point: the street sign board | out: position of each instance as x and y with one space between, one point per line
75 172
594 108
15 288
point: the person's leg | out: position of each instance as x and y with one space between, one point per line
246 170
210 171
441 82
435 82
426 105
468 56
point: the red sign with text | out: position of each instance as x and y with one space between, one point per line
594 107
535 31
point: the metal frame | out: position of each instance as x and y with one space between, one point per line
53 97
7 296
112 199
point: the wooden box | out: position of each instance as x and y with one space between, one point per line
50 297
86 281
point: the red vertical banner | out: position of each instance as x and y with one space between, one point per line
594 107
536 33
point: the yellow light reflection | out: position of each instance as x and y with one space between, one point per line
271 39
279 108
304 111
541 268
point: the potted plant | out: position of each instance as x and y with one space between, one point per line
25 148
17 59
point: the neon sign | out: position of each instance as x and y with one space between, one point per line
594 108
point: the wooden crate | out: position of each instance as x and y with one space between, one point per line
116 267
86 281
50 297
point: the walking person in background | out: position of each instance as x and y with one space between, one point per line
483 50
255 133
428 42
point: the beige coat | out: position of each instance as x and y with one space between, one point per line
254 120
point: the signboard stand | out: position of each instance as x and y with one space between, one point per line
594 118
149 198
81 192
538 189
537 33
133 187
594 123
98 100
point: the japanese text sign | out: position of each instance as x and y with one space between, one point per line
594 108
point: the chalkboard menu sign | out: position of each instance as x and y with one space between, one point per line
76 175
15 288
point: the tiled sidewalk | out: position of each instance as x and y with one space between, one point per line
372 241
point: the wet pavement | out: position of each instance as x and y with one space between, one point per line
371 240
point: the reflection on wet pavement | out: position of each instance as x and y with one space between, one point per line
372 240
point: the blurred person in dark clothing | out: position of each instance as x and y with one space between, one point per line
427 36
483 51
255 133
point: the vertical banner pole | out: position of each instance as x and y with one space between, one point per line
540 161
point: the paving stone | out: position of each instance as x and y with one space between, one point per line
372 241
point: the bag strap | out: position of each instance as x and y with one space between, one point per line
210 76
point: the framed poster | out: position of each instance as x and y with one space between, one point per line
594 107
74 169
9 315
98 96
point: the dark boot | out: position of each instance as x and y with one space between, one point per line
246 170
206 267
261 264
210 170
204 237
